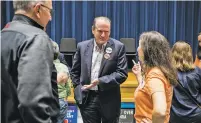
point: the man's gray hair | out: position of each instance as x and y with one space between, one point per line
25 4
101 18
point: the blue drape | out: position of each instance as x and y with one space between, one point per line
176 20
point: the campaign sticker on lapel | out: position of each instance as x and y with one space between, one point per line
108 50
107 56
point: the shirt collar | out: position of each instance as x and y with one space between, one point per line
26 19
96 48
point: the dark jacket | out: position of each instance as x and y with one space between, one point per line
28 57
112 73
184 109
8 93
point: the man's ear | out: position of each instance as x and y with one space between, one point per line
37 10
92 29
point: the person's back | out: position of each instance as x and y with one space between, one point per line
184 109
6 98
16 41
28 57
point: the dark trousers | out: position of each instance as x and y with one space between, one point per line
92 111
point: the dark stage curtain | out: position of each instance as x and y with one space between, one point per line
176 20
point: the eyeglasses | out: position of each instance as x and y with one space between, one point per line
50 10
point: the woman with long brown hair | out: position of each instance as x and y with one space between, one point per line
153 96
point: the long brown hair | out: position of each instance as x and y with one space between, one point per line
182 56
157 53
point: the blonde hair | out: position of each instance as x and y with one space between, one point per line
182 56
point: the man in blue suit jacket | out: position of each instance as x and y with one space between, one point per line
99 67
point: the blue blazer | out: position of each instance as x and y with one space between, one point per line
112 73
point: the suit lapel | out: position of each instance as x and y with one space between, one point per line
88 56
104 60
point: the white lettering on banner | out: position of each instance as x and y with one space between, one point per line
126 116
128 112
71 111
69 115
123 116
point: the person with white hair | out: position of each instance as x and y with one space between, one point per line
28 61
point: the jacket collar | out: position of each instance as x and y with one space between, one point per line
27 20
89 52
